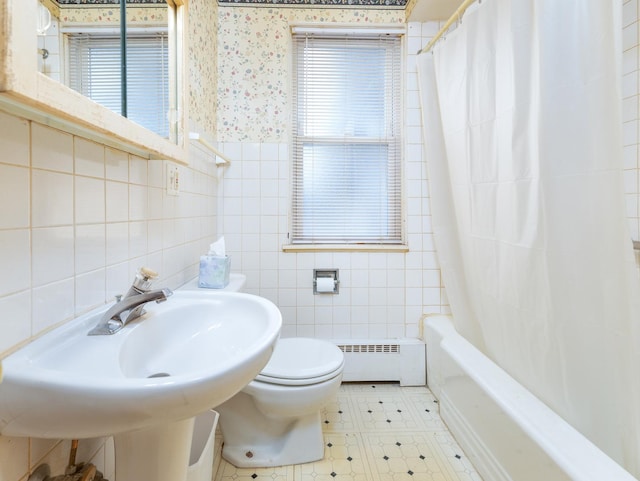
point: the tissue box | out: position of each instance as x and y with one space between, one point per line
214 271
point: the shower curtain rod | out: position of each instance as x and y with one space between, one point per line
456 16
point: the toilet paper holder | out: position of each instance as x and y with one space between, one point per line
323 275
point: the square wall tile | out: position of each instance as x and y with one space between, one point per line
630 60
232 149
117 202
118 280
14 138
250 152
89 158
53 254
15 250
116 165
89 247
137 239
90 291
51 149
630 84
250 169
15 323
269 151
41 449
14 197
14 458
630 36
52 304
51 198
138 170
138 201
155 236
117 243
89 200
155 174
629 13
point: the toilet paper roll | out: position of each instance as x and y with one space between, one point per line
325 284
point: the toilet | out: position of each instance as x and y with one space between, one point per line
275 420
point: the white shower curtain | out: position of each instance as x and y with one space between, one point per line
522 132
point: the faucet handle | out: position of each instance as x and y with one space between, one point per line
144 278
148 274
118 297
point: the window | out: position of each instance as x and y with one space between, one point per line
94 71
346 139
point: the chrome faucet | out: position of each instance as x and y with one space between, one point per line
131 305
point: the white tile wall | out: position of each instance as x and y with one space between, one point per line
631 112
382 295
50 41
76 220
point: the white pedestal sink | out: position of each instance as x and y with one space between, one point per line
144 384
158 453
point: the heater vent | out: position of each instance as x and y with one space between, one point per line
400 360
384 348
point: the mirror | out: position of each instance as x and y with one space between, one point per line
80 45
74 41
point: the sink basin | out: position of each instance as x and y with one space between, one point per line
183 357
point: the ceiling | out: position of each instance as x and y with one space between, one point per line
425 10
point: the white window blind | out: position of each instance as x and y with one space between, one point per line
346 140
94 70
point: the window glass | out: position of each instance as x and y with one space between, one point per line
346 140
94 70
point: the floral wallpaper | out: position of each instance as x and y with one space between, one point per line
111 15
202 60
107 2
254 65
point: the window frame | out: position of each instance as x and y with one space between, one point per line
398 242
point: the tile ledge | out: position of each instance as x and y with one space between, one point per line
345 248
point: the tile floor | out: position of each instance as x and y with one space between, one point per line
374 432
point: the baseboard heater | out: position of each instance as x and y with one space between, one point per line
402 360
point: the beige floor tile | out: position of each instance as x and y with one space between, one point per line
409 456
455 459
375 432
344 460
382 410
426 406
339 415
228 472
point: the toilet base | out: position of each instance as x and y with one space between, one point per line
275 442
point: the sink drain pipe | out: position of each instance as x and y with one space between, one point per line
71 467
73 472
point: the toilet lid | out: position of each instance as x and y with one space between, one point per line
298 359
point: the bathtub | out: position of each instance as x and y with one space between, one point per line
507 433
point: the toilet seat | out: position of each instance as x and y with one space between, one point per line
301 362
